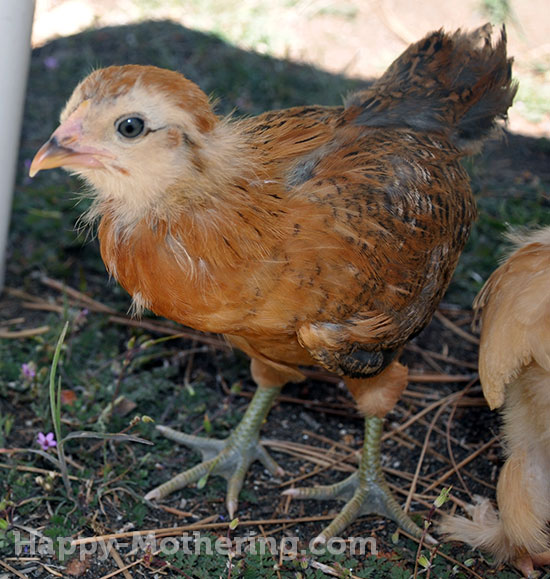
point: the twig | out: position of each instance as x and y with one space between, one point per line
411 347
64 288
12 322
176 512
450 446
428 378
412 486
21 334
32 468
171 531
448 557
467 460
456 329
50 570
328 570
44 307
429 359
413 419
316 456
172 331
17 293
119 571
12 570
118 560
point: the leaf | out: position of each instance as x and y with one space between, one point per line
423 561
106 436
442 498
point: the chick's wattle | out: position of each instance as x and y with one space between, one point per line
312 235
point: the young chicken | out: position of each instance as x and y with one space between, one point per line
313 235
514 368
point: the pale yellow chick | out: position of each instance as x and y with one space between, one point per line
514 368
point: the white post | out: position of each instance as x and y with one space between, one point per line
15 50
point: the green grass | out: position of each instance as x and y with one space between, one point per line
522 207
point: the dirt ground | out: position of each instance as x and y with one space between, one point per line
440 427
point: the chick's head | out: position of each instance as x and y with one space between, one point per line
131 132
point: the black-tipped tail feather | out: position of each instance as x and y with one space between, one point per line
456 83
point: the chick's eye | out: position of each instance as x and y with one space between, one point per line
130 127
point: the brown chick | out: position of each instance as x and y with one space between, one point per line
313 235
514 368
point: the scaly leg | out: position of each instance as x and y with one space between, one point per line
229 458
365 491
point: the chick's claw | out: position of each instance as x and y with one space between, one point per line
229 458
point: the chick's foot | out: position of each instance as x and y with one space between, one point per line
365 491
526 563
229 458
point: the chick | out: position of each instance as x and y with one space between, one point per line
514 368
312 235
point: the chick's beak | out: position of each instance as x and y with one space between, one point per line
67 148
52 155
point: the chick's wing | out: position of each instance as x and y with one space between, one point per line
377 219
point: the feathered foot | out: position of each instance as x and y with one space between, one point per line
365 491
229 458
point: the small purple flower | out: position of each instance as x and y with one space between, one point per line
29 371
51 62
81 317
46 440
82 314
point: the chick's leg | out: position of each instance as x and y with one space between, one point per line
230 458
366 490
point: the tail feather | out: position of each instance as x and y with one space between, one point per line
483 531
457 83
520 526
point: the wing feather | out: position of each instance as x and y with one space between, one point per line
515 306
